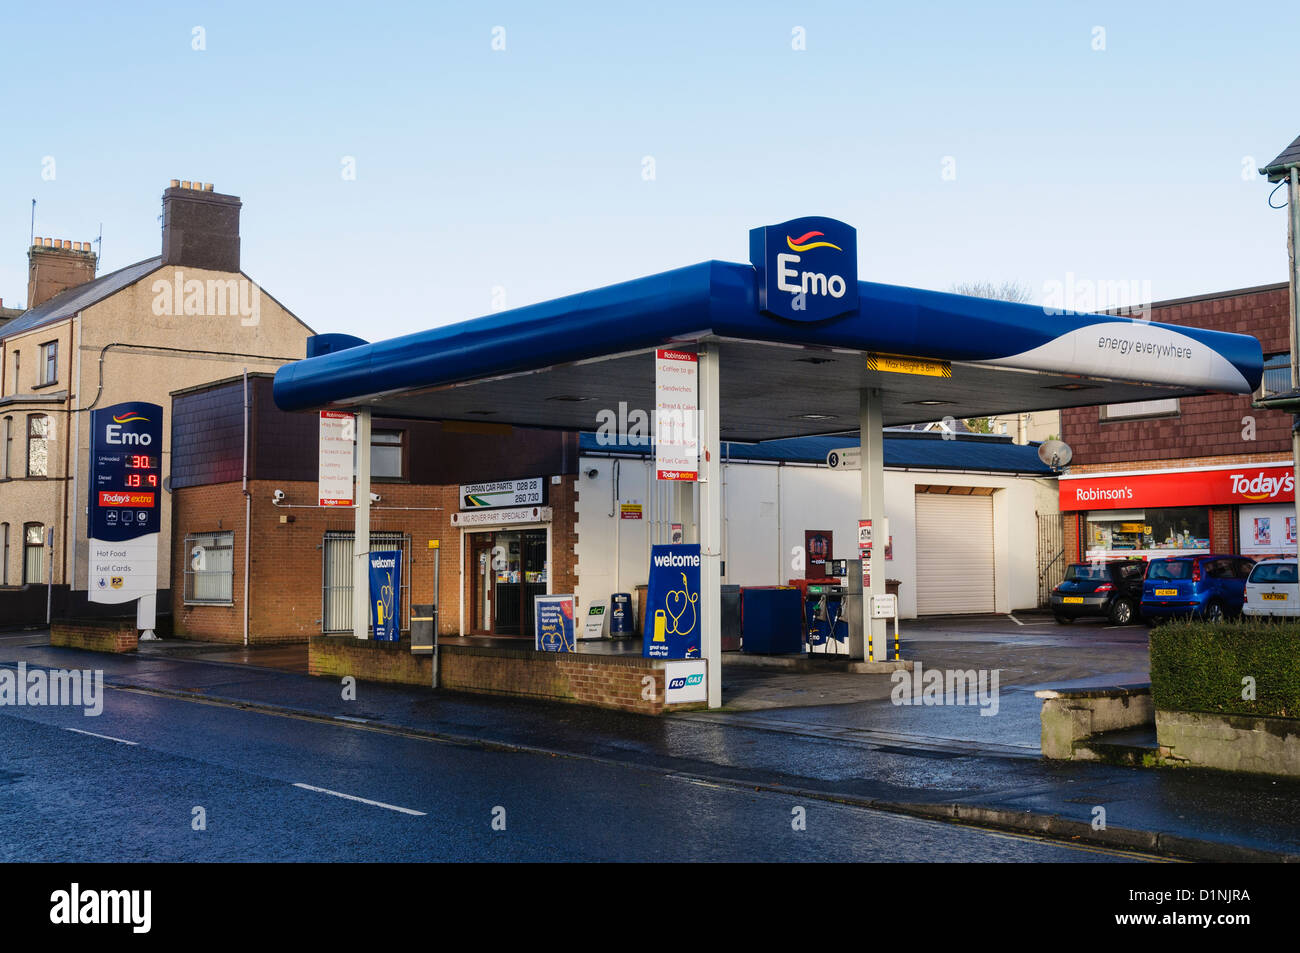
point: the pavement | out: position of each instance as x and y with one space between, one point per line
835 737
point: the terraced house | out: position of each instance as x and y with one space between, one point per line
180 318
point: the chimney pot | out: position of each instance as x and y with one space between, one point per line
67 244
49 243
36 241
176 183
208 187
76 246
185 183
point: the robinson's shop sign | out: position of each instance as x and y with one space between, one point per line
1219 487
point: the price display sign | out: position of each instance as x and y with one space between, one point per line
125 503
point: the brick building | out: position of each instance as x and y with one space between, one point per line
186 315
299 553
1196 474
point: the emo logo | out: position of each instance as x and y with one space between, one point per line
807 268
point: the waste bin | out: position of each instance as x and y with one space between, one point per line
621 620
424 626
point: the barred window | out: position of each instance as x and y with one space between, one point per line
210 568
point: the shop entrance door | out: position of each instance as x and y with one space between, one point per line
507 571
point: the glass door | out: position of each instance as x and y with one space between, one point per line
481 588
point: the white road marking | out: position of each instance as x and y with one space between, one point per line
92 734
353 797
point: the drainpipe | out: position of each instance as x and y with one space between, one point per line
248 513
1293 236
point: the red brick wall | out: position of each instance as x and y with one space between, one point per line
601 681
1208 426
287 559
1222 538
1072 551
109 636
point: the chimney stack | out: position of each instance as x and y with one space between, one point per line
55 265
200 227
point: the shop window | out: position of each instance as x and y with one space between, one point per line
210 570
50 362
33 550
1277 376
38 437
1138 409
1156 531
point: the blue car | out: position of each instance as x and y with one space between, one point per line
1208 587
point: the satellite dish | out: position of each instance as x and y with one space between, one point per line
1055 453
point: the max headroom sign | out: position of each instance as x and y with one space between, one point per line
807 268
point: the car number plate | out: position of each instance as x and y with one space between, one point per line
1279 596
1072 599
1166 592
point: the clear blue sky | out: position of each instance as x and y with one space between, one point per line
523 168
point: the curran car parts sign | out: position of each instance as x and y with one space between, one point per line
1221 487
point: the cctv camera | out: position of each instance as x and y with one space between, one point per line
375 497
591 474
278 496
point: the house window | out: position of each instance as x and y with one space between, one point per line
1135 410
1277 376
8 435
50 362
386 454
17 365
33 550
38 439
210 569
4 551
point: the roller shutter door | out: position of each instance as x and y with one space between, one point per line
954 554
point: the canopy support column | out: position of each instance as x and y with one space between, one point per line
870 643
710 528
361 532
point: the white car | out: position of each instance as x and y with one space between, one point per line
1272 589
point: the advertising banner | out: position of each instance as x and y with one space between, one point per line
125 491
677 412
386 594
334 474
530 492
672 613
1266 530
1217 487
553 616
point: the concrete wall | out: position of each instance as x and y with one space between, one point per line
758 498
1230 742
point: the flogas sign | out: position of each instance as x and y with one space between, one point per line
807 268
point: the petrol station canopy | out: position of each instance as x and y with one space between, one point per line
555 364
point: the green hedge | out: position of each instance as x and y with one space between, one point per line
1199 666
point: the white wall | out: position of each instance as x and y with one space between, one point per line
809 497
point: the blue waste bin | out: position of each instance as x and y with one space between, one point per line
620 616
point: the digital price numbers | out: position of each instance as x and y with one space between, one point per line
141 471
